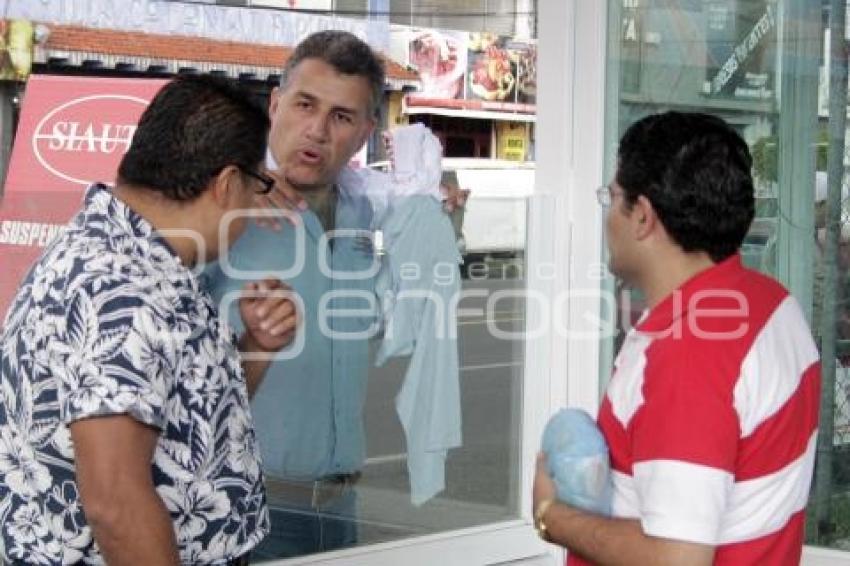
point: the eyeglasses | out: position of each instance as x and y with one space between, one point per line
267 182
604 196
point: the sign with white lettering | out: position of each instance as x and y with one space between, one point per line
225 23
74 130
28 222
740 42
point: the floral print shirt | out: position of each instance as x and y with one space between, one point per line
109 322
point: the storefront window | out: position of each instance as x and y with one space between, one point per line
482 475
513 243
762 65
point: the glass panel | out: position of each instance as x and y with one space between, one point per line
728 58
388 390
760 65
482 475
340 468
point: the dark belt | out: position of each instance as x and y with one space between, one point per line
243 560
312 494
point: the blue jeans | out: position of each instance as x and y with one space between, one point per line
297 530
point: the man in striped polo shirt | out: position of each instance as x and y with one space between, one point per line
711 414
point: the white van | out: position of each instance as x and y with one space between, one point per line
493 222
494 219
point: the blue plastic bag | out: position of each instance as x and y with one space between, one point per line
577 460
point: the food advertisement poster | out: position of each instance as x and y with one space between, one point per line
501 69
474 66
440 58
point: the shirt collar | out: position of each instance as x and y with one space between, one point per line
675 305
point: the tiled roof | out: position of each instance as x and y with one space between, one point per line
78 43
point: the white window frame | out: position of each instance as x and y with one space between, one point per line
569 136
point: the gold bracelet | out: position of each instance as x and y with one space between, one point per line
539 524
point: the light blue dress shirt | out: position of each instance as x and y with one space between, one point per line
419 285
308 409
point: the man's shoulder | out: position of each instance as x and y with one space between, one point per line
737 294
719 326
760 285
91 271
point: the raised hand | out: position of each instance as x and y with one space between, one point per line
455 197
269 314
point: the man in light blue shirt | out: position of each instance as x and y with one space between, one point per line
309 412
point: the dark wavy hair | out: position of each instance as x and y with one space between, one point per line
347 54
696 171
193 128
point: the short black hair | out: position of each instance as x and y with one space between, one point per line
193 128
697 172
347 54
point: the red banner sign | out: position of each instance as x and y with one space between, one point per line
73 131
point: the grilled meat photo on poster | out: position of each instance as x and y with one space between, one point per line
491 74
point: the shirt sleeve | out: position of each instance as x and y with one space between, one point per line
684 443
117 355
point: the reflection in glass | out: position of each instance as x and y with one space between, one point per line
734 58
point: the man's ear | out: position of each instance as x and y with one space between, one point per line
644 217
224 186
274 99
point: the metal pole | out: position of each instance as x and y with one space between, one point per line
831 275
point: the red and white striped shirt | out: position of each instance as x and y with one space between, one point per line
711 418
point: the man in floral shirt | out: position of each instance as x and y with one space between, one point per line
125 432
